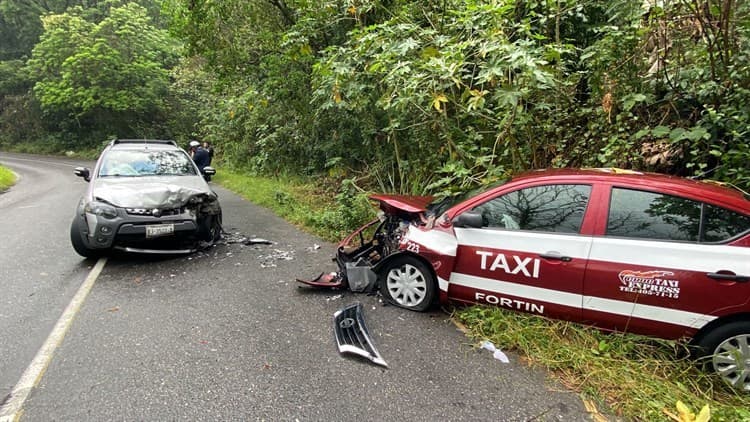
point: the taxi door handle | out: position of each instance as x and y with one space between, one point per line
556 256
729 277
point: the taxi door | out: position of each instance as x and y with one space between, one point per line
663 266
529 254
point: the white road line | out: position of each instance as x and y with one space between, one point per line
11 411
57 163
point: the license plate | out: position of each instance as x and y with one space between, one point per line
159 230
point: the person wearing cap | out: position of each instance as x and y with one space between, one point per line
200 156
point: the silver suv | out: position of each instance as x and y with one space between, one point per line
145 196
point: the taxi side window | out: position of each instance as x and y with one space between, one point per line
548 208
722 224
649 215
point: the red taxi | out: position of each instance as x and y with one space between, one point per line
621 250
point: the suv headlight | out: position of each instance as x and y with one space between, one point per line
101 209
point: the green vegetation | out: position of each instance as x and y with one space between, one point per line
312 207
7 178
401 96
637 377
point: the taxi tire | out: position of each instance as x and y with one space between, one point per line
419 269
707 345
76 239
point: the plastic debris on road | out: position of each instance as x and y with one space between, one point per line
256 241
267 261
496 353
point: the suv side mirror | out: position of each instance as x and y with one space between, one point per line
469 219
83 172
209 171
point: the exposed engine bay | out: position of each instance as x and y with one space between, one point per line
360 255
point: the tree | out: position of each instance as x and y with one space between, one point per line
110 77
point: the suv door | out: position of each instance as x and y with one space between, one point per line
663 266
529 255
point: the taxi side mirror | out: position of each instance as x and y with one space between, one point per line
209 171
469 219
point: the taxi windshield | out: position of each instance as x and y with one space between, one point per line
444 203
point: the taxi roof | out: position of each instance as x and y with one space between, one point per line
708 189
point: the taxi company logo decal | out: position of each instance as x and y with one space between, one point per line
650 283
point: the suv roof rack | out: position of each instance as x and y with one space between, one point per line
143 141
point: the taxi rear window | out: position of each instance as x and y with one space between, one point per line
650 215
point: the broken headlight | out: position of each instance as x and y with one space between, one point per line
197 199
101 209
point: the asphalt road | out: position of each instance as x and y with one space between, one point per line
227 334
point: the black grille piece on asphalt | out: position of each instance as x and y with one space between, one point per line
352 335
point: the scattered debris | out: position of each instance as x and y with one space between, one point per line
256 241
267 261
352 335
496 353
114 309
360 276
313 248
594 412
329 281
337 297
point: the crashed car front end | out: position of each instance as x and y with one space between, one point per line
149 217
407 226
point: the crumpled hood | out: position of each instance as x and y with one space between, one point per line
413 204
149 192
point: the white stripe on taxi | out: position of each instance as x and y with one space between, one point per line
650 253
520 290
573 246
439 241
654 313
673 255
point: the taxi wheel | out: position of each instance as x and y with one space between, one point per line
727 352
408 283
76 239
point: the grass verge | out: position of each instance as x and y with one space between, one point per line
637 377
7 179
328 209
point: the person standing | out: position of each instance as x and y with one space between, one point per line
199 155
210 150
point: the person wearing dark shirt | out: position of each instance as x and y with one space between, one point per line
210 150
200 156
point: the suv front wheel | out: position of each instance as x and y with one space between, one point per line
76 239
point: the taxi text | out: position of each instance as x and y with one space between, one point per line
518 265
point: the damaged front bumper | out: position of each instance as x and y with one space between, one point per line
158 230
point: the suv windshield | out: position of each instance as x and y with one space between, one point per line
146 163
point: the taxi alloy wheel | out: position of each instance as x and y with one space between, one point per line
726 350
731 360
409 284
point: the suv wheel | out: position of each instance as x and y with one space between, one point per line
210 228
76 239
